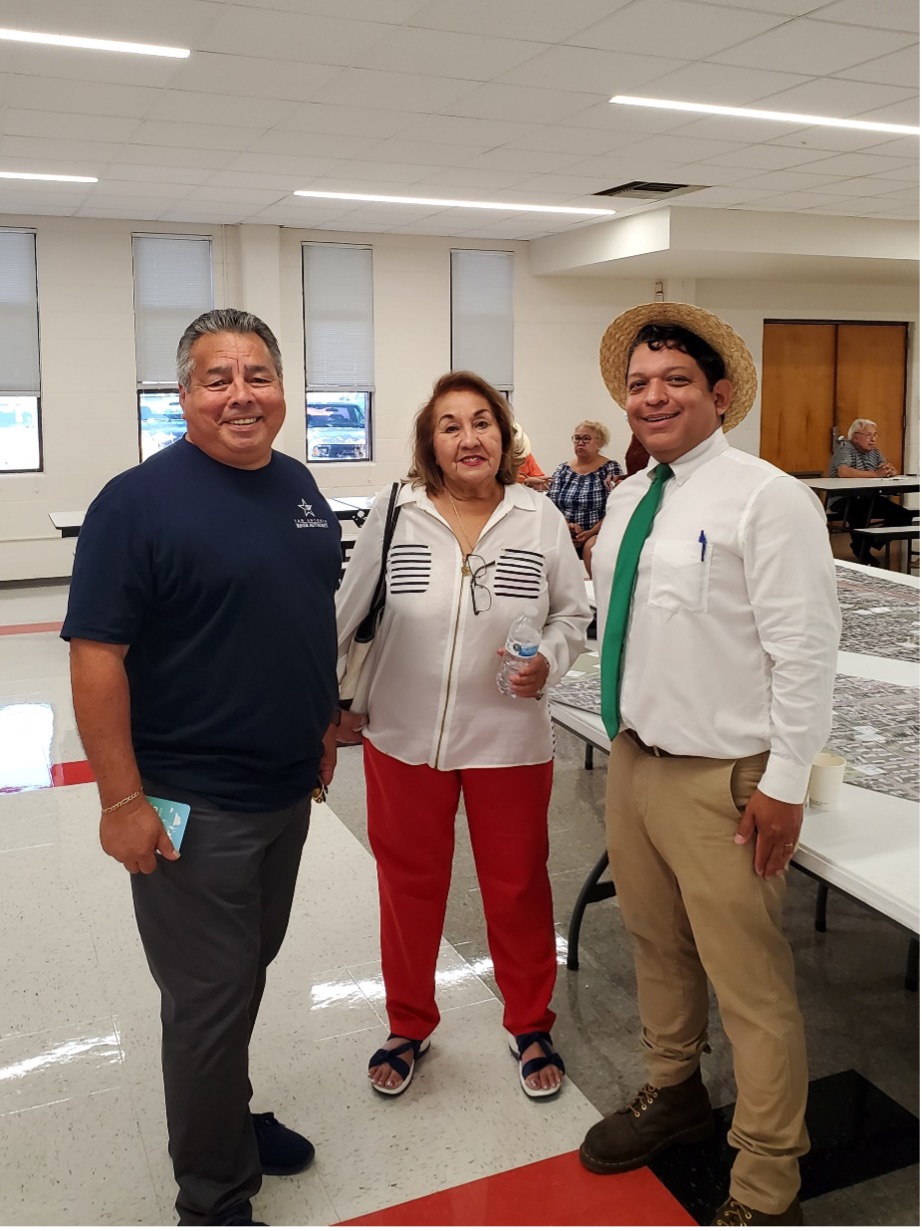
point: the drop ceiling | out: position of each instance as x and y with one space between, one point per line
500 100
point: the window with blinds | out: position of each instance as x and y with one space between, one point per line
339 351
20 381
172 286
482 314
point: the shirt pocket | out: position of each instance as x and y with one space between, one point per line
679 577
409 568
519 574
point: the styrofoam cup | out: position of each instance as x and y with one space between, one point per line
826 780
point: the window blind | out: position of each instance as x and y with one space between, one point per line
19 364
482 314
172 286
338 317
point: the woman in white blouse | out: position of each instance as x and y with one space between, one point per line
471 549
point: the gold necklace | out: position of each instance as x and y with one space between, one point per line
465 565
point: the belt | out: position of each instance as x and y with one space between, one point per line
651 752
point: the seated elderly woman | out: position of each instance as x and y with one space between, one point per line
580 486
471 549
858 457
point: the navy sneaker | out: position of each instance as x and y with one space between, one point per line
281 1150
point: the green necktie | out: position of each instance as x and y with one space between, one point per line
622 591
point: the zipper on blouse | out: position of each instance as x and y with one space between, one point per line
451 664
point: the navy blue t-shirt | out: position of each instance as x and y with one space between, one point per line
221 581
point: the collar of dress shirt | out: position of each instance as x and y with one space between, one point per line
515 495
686 465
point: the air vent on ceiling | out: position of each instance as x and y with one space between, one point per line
647 190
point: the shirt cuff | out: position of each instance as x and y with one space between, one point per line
785 780
554 675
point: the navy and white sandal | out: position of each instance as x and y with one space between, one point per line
394 1057
519 1043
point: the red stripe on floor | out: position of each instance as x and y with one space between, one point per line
556 1192
71 773
11 630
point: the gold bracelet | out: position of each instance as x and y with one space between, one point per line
121 803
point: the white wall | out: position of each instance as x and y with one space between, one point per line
88 363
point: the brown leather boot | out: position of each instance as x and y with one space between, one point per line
655 1118
734 1214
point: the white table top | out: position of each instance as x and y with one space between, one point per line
899 483
350 504
66 521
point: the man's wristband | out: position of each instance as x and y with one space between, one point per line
121 803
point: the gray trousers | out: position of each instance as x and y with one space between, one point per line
211 923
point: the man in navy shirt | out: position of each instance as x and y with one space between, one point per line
203 648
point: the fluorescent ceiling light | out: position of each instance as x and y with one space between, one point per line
93 44
756 113
64 179
445 204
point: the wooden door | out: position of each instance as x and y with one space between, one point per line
818 376
798 395
871 383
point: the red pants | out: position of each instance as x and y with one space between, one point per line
411 827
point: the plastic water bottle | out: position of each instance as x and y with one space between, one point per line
521 647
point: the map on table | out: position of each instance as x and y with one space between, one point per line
879 617
875 727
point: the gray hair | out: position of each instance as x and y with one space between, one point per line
223 320
858 425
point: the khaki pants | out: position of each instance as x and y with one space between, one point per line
696 910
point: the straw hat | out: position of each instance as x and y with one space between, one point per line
741 371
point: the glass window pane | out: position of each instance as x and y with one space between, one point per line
20 447
160 419
338 427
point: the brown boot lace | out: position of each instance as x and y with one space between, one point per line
643 1099
734 1214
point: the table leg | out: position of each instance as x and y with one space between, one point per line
591 891
912 966
587 760
822 895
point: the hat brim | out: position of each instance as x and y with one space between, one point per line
741 370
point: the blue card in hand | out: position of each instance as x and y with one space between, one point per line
173 815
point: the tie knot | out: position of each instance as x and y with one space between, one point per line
662 472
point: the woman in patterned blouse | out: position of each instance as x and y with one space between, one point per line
580 486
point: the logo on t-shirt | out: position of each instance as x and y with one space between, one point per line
309 521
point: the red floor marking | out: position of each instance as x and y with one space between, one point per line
71 773
556 1192
10 630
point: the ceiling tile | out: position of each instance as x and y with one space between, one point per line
239 196
226 109
735 128
906 112
506 158
172 22
899 68
347 121
389 173
784 8
251 76
724 194
438 53
588 68
900 147
709 173
141 173
292 36
721 83
577 141
910 173
85 97
318 145
677 149
616 119
547 20
568 185
844 165
268 179
170 155
857 207
474 180
864 184
429 153
798 200
362 87
152 189
92 156
830 139
82 65
195 136
64 125
463 130
834 97
674 28
765 157
788 180
355 10
813 47
512 102
878 14
269 164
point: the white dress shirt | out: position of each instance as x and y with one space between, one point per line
734 626
432 697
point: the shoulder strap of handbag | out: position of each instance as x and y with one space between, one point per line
366 630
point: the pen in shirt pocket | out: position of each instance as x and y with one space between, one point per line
702 539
